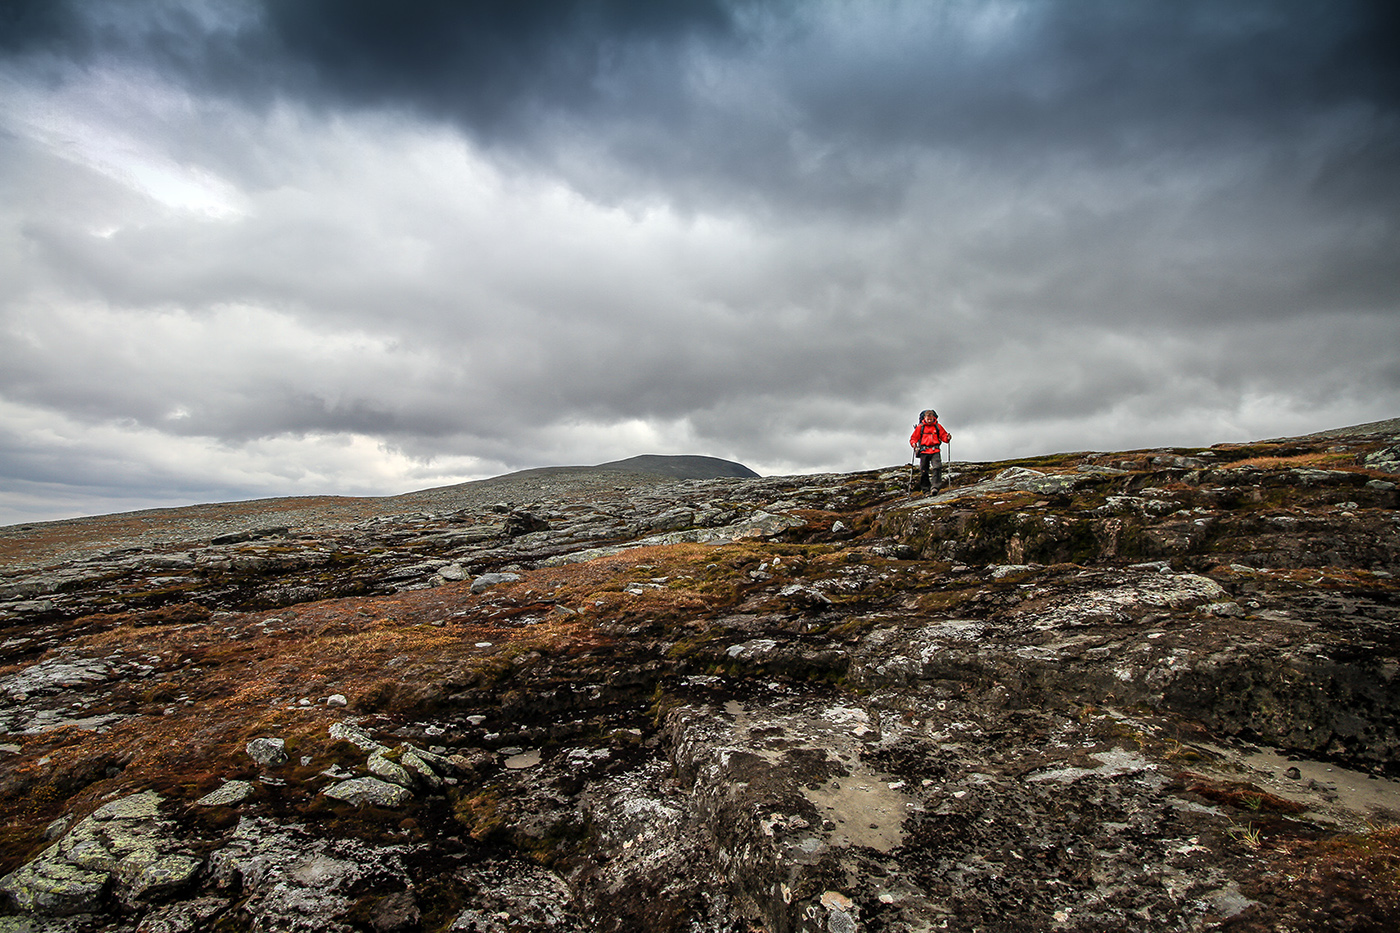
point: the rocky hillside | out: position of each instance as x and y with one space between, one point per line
1148 690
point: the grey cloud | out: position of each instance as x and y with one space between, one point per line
785 103
806 331
833 116
482 63
485 62
29 24
82 477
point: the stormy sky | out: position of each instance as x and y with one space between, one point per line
280 247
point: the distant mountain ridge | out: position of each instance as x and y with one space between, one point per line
680 467
662 465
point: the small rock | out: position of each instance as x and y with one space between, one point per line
347 732
361 791
267 752
805 595
488 580
523 760
521 522
233 792
391 771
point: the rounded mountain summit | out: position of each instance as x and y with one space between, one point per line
676 467
657 466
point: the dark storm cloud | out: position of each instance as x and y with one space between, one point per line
26 25
482 63
1085 68
477 62
1108 80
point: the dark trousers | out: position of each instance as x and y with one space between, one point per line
931 459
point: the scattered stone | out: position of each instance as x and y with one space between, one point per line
252 534
381 767
267 752
349 732
488 580
231 794
370 791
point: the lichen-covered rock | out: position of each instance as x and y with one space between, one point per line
53 675
370 791
268 752
382 767
125 847
230 794
290 880
56 886
488 580
183 916
515 897
348 732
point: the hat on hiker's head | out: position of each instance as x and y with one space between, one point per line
927 411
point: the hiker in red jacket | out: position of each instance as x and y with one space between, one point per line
928 434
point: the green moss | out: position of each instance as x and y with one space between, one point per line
566 839
851 628
1083 545
478 812
944 600
662 704
691 645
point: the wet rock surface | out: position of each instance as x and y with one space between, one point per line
1145 690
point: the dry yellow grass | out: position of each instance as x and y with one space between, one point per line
1320 461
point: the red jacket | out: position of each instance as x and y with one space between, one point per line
929 435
